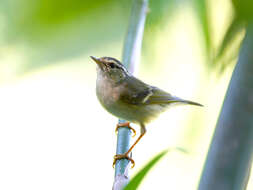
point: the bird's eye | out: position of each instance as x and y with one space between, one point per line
112 65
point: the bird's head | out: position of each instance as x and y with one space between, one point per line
111 68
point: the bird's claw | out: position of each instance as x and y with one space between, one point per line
123 156
125 124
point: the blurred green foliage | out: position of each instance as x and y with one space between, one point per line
53 30
39 19
204 20
56 30
242 16
235 27
243 9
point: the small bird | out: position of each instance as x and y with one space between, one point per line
128 98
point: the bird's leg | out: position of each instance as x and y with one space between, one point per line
143 131
125 124
125 155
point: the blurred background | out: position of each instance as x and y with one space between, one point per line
53 132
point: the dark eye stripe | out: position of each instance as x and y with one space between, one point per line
113 65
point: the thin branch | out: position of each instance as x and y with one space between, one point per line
131 56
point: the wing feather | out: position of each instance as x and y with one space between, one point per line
138 93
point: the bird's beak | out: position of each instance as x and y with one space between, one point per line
96 60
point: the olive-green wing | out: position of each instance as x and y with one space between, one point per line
161 97
137 92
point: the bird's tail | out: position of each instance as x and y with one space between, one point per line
179 100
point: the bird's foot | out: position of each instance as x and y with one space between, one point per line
125 124
123 156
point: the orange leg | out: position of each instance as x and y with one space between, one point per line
126 124
125 155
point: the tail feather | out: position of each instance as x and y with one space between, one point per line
192 103
179 100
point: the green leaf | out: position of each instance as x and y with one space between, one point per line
137 179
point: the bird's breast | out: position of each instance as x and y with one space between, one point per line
107 94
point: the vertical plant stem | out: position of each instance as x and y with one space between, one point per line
131 57
230 156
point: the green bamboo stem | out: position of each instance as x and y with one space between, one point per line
131 56
231 152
